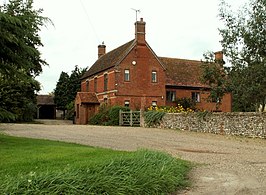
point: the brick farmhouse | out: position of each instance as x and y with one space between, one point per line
133 75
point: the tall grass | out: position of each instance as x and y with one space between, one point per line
87 170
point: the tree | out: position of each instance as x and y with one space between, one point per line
244 43
18 97
74 82
66 90
19 39
215 76
20 59
61 92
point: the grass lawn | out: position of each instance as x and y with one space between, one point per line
32 166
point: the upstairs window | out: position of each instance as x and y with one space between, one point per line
154 76
195 96
105 82
87 85
126 75
95 85
170 96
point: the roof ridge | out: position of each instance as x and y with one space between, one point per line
109 59
118 47
179 59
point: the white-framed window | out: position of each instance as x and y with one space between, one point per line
126 75
195 96
170 96
154 76
127 103
154 103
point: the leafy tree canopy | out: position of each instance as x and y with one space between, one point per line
20 59
244 43
215 76
67 88
19 39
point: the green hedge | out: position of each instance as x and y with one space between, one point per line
107 115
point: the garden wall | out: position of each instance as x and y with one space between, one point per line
242 124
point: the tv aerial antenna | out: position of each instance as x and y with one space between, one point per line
137 11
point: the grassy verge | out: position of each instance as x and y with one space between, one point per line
31 166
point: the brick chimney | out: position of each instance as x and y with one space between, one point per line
101 50
219 57
140 32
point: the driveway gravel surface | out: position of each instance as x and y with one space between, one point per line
225 164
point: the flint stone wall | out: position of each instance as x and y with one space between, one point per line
242 124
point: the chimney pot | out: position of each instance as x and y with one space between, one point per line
219 57
101 50
140 32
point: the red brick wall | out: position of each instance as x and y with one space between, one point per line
140 90
100 82
226 104
81 112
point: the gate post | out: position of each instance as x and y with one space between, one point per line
131 118
141 120
120 117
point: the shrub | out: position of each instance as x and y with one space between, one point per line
70 111
113 114
6 116
167 109
186 103
153 118
107 115
96 119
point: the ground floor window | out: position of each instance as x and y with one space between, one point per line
154 103
170 96
195 96
127 103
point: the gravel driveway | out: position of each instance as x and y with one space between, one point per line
227 165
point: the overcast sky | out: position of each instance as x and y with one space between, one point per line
174 28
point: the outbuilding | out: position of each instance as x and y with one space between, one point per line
46 108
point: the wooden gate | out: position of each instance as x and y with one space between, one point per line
129 118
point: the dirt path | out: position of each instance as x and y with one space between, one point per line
228 165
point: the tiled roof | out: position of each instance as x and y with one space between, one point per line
109 60
45 100
88 97
181 72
